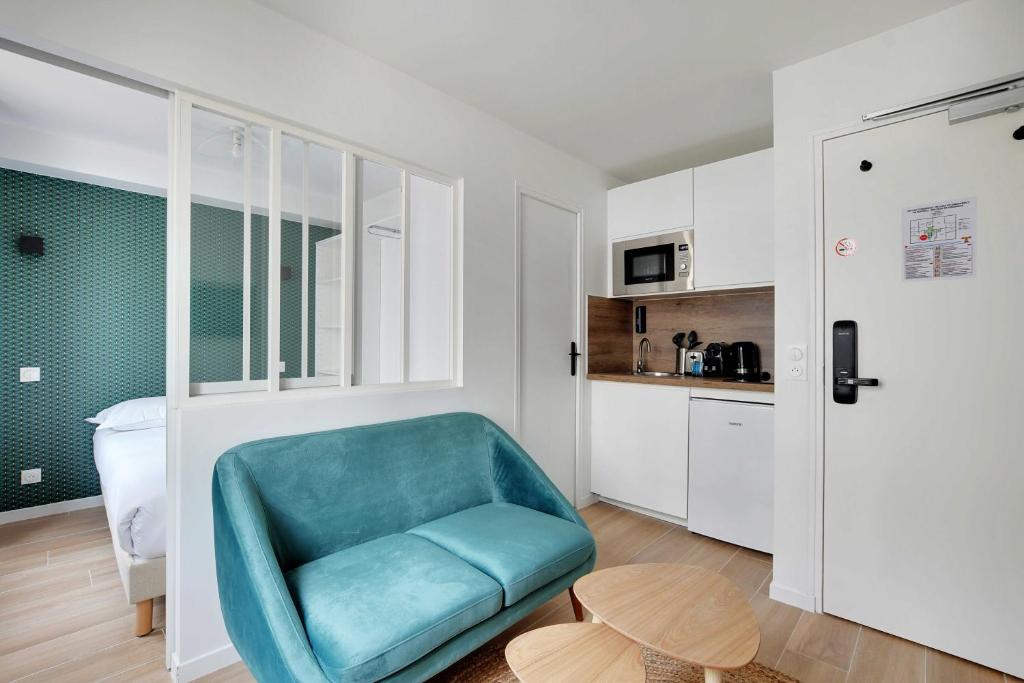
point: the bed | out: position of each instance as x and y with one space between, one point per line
132 469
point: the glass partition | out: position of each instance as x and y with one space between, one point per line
226 198
430 280
312 276
365 255
379 283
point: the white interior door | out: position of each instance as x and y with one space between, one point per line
548 325
923 477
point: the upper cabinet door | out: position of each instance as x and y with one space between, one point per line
734 222
654 205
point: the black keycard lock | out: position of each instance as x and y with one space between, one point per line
844 363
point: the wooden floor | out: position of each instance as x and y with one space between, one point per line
64 617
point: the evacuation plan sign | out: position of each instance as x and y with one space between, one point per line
938 240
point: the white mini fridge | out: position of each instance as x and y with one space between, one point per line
731 471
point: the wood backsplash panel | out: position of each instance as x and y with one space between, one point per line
720 317
609 334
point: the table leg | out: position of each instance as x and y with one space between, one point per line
712 676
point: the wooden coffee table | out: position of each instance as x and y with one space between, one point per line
574 653
687 613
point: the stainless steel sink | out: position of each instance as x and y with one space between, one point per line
651 373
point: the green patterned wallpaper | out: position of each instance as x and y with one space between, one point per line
90 313
216 336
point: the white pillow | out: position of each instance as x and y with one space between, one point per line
138 413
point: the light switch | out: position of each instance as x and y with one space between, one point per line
31 476
29 375
281 367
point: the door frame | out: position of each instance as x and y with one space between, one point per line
817 373
521 192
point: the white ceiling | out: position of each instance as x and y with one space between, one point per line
635 87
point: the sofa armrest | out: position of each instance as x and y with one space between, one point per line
518 479
258 609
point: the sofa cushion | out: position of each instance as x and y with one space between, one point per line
374 608
520 548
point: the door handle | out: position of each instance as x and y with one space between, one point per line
573 355
845 381
856 382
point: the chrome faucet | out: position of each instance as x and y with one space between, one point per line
641 363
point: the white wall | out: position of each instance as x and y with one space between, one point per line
74 158
970 43
239 51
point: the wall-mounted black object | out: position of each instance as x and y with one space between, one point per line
31 245
573 355
641 319
286 273
866 165
844 363
1019 133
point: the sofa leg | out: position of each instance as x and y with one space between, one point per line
577 608
143 617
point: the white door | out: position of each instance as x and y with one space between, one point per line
548 326
924 474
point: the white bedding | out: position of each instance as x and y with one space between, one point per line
133 478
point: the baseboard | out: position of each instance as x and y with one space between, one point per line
50 509
203 665
791 596
644 511
587 500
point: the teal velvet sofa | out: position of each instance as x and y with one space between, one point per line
386 552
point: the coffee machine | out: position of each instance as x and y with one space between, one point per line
718 360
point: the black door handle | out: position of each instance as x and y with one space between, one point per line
573 355
844 363
856 382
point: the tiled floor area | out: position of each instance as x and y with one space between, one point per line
63 616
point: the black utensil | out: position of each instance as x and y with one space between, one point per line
678 339
691 339
694 346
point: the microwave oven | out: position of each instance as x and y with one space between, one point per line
653 265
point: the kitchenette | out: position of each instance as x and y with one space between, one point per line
681 351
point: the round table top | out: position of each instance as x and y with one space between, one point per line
687 613
576 653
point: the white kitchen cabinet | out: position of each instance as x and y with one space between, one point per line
653 205
638 446
733 222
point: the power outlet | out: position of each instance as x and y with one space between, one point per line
796 362
28 374
31 476
281 367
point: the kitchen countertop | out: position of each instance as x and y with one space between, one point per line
701 382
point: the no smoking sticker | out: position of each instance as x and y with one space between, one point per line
846 246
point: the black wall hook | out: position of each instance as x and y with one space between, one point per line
1019 133
866 165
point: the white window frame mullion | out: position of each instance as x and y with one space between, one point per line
455 320
247 255
349 244
405 279
305 260
180 263
274 266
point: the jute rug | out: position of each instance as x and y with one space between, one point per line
488 665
